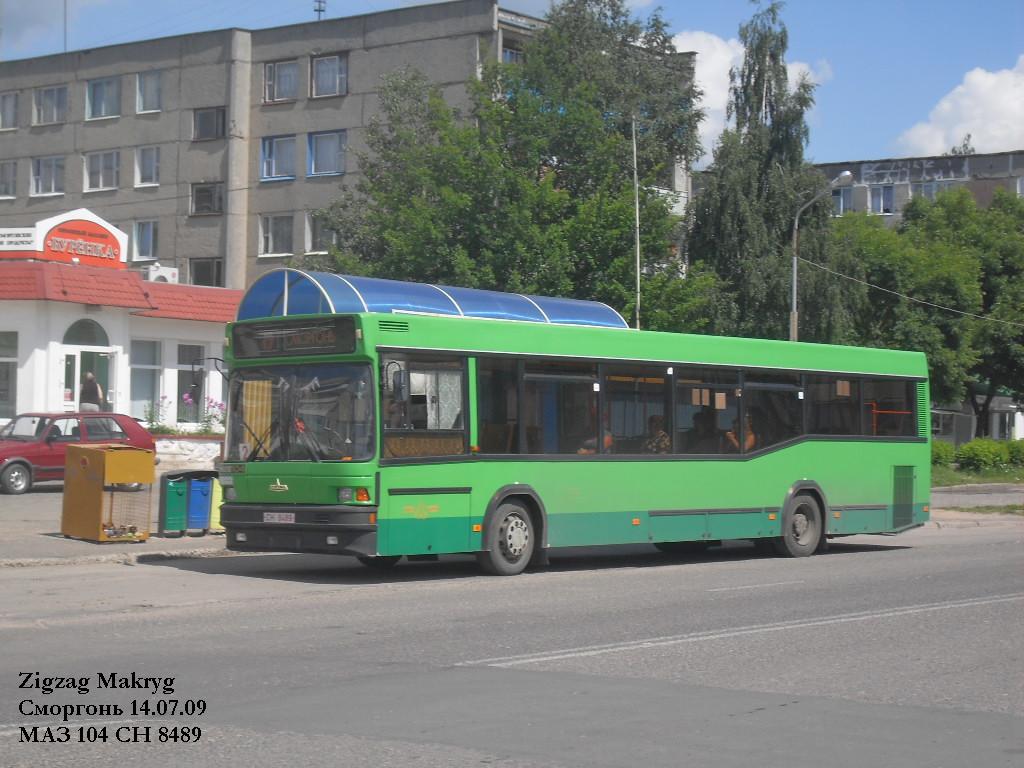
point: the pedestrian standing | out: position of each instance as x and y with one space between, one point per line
90 397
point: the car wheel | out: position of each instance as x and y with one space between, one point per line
15 478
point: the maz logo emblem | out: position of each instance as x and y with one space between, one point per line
277 485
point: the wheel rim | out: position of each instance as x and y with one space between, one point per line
514 538
17 478
803 525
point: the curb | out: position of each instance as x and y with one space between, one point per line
120 558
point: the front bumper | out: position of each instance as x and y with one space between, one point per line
354 528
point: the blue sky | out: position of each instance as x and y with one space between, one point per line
895 78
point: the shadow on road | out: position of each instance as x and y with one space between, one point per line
342 570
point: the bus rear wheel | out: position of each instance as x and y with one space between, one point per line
508 541
801 527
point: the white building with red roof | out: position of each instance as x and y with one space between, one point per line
69 306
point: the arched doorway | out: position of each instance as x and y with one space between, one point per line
87 350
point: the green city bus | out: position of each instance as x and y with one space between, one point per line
383 419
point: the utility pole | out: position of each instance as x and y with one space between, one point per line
319 8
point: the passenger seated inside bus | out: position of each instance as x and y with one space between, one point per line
732 437
657 440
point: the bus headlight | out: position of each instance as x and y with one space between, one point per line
345 495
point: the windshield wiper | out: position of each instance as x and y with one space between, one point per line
254 455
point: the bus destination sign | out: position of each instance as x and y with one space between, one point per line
334 336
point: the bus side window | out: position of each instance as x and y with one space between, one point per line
423 406
498 405
707 410
889 408
560 407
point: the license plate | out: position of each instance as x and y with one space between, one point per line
278 517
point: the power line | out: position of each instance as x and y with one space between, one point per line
909 298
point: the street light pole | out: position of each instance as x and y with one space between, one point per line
636 223
841 180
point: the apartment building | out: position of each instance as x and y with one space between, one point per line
884 187
210 150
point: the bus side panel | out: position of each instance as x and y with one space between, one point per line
425 510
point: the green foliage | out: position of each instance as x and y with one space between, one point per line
943 453
1015 452
982 454
532 189
743 218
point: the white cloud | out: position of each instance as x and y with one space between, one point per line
987 105
715 57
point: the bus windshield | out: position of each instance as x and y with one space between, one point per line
317 412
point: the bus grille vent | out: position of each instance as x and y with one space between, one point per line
395 326
924 418
322 517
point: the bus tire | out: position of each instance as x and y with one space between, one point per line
801 527
379 562
508 541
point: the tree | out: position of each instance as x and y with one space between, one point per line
993 238
532 189
963 148
743 218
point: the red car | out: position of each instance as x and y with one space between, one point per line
33 445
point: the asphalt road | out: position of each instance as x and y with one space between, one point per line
887 651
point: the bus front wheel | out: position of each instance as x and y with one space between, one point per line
801 527
508 541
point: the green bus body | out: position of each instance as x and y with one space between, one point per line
440 505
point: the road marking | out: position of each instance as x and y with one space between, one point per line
755 586
694 637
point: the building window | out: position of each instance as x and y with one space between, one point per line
276 235
102 170
144 241
206 272
329 76
8 373
207 199
50 105
8 111
511 53
147 166
208 124
145 366
930 189
842 201
148 97
326 153
103 98
882 198
319 237
278 158
48 176
281 81
191 373
8 178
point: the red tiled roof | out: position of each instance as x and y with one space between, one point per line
76 284
36 280
191 302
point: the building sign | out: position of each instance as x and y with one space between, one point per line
75 237
17 239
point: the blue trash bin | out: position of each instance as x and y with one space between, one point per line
199 490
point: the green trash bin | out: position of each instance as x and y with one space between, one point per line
173 505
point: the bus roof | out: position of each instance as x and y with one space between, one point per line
483 336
